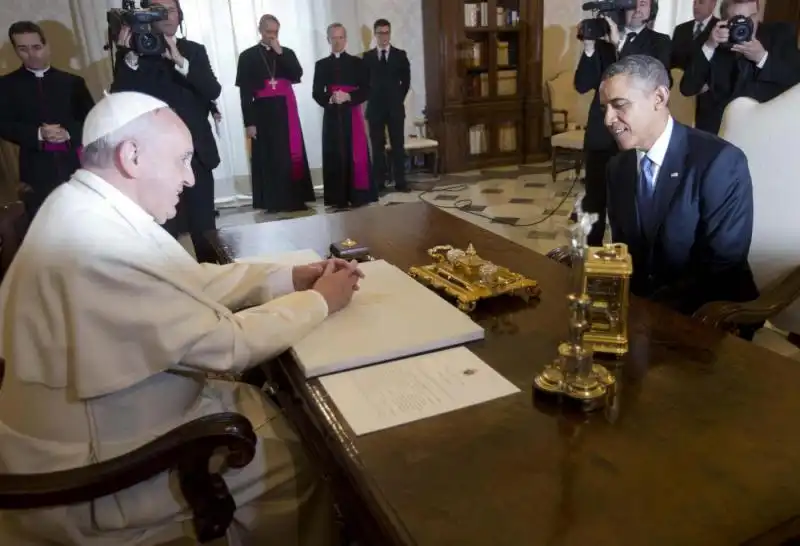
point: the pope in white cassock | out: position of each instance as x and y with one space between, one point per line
109 326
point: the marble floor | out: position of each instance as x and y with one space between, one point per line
521 203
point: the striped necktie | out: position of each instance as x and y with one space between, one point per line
698 28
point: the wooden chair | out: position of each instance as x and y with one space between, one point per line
569 113
187 449
13 226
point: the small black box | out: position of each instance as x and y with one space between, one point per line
350 250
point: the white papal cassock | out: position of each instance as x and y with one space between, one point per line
108 328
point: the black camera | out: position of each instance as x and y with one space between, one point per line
740 30
146 39
596 27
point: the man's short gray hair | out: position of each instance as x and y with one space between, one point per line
644 69
333 26
266 19
101 154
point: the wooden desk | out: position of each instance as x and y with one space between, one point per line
699 448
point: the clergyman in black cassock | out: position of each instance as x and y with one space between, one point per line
341 85
279 170
43 110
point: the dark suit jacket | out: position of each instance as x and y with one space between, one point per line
590 72
729 75
190 96
683 45
708 110
694 249
388 85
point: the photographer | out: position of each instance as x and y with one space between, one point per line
743 58
182 77
635 38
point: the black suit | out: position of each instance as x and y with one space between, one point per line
693 247
389 84
190 96
599 146
707 110
730 75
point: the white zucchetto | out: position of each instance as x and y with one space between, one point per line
114 111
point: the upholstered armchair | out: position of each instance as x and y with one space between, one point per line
569 112
768 134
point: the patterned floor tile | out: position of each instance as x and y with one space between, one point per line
521 201
558 212
491 191
536 184
445 197
474 208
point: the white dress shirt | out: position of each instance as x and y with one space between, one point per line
658 151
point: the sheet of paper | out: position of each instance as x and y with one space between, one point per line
392 316
399 392
292 257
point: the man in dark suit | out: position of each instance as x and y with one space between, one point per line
688 37
680 198
761 68
182 77
599 146
390 79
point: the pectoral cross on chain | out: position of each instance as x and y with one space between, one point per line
273 83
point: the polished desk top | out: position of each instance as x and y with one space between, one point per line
699 447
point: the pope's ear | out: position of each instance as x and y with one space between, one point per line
126 157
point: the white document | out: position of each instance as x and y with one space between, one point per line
292 257
399 392
391 316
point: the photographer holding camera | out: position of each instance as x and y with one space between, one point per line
632 38
742 58
178 72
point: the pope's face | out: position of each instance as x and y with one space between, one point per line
166 163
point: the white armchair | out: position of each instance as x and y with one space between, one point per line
768 134
418 140
569 112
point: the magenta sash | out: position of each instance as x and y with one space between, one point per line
62 147
283 88
359 141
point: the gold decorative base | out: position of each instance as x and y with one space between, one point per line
590 392
467 278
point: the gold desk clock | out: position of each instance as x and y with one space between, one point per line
606 281
468 278
574 374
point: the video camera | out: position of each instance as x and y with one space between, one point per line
597 27
146 39
740 30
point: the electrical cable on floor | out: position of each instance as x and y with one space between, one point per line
463 205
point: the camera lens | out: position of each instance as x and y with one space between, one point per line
147 44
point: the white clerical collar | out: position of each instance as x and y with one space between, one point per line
658 151
265 46
130 210
337 55
38 73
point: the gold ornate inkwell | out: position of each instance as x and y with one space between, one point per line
468 278
350 250
573 375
